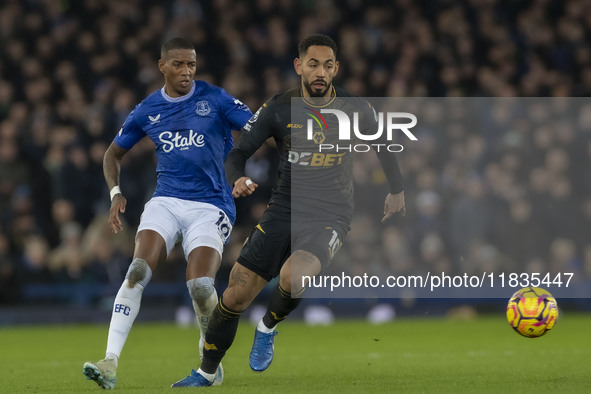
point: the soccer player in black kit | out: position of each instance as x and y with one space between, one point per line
309 212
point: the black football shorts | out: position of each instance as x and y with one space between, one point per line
274 239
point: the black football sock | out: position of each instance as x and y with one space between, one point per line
221 331
281 303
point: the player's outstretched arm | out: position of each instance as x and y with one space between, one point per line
254 134
394 203
395 199
111 171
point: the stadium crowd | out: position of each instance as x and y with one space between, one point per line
500 197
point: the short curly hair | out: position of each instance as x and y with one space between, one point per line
316 39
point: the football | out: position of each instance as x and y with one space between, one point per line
532 312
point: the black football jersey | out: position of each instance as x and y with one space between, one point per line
315 178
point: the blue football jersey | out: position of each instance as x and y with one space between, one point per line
193 136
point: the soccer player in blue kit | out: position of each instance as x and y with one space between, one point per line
190 123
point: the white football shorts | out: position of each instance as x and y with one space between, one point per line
195 223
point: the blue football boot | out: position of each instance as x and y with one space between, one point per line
261 354
193 380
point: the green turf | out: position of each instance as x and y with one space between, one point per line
407 356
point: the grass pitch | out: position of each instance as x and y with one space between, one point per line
483 355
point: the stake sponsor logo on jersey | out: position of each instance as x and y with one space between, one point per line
181 140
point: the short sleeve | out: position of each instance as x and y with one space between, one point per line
235 111
130 133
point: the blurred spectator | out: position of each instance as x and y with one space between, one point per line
34 265
9 282
65 262
470 218
107 255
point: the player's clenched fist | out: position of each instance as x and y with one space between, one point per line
243 187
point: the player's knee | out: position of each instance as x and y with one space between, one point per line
139 272
236 299
301 264
201 289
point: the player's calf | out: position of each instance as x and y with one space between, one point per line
223 325
204 299
125 310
